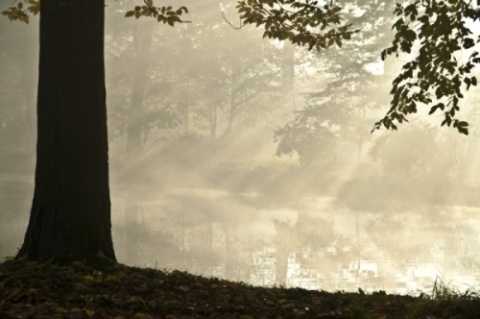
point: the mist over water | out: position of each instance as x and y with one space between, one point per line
251 160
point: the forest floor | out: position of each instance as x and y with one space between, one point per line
32 290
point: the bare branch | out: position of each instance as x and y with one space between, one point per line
234 27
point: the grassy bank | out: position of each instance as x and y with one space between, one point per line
32 290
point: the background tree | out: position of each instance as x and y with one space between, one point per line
311 135
338 111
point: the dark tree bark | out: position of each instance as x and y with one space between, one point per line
70 215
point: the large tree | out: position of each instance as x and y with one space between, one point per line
70 214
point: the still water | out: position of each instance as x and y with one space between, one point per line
313 243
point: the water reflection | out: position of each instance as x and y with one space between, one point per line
315 244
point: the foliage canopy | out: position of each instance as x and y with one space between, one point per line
438 36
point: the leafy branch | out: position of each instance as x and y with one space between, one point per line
163 14
303 23
20 11
23 8
437 74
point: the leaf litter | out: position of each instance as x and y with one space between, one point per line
44 290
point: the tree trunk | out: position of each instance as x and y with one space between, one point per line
288 73
142 39
30 94
185 106
70 215
213 120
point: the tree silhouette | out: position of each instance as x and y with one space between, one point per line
70 215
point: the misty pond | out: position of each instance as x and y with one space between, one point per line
248 159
